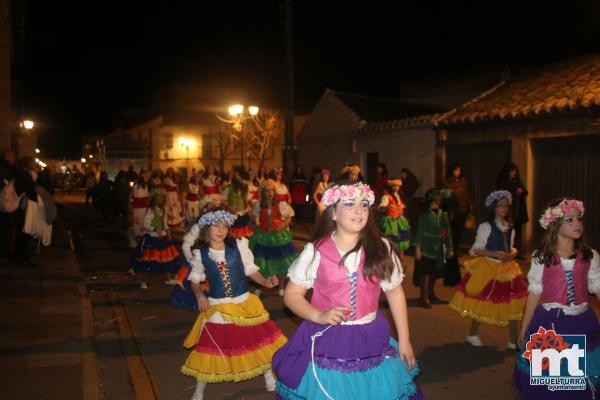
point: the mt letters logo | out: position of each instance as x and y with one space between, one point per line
556 361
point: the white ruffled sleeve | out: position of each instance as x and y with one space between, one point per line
197 274
247 257
147 223
594 274
303 270
286 210
398 274
483 233
534 277
188 241
384 201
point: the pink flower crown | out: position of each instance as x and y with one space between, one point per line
358 190
563 208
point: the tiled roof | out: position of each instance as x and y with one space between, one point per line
410 122
568 85
373 109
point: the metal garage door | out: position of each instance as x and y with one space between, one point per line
481 163
568 166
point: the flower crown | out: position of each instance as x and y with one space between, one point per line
356 191
216 217
563 208
498 195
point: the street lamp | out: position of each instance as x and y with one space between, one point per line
27 124
239 116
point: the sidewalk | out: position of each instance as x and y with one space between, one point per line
46 339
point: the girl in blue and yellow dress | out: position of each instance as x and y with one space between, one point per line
233 338
154 252
493 290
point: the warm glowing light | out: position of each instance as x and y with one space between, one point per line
131 183
37 151
91 156
185 142
253 110
236 109
83 160
28 124
37 160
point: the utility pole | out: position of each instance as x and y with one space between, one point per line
289 152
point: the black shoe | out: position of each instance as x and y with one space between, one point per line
425 304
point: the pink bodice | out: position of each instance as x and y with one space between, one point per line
333 287
555 283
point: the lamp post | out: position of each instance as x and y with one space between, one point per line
240 115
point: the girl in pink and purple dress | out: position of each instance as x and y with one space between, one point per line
563 271
343 349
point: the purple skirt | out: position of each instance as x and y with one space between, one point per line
352 361
585 323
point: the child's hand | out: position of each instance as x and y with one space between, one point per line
271 281
506 257
418 254
407 353
520 339
203 304
333 316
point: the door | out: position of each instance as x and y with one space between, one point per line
568 166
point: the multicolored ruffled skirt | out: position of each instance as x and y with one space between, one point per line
491 292
240 349
351 362
156 255
397 229
241 227
273 251
585 323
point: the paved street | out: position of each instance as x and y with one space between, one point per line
136 335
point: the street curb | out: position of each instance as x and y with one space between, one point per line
91 388
138 370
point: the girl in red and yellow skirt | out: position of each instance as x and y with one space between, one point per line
155 253
493 290
139 198
233 338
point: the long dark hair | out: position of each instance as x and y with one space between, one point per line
451 168
505 172
547 254
378 258
203 240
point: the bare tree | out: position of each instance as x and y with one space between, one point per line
262 134
225 140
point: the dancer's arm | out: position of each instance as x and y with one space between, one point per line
294 298
397 301
532 302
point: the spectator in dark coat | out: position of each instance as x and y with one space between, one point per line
509 179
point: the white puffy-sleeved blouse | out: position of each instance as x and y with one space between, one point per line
483 233
198 274
534 278
303 270
147 223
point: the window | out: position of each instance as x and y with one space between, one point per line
206 146
168 141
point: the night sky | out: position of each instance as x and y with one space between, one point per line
85 66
